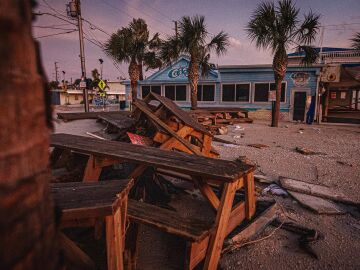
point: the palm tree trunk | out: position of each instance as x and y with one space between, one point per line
193 80
27 230
279 67
134 75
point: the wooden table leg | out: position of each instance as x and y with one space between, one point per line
92 172
114 241
250 199
221 222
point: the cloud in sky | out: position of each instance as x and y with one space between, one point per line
228 15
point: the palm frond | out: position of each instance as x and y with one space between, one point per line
287 19
356 41
308 29
262 26
310 55
170 49
219 43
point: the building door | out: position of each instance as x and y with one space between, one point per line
299 106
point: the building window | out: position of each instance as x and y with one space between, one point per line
145 90
262 91
76 97
236 92
175 92
206 92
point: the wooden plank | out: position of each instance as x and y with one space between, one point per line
222 170
119 238
313 189
236 217
257 225
221 223
119 121
208 193
183 132
91 172
164 126
195 253
250 199
88 115
110 243
317 204
79 200
74 255
169 221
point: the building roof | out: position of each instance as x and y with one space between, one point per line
323 49
265 66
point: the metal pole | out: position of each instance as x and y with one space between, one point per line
56 72
82 55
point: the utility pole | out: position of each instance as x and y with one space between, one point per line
74 10
56 72
176 29
101 67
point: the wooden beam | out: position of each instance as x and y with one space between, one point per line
91 173
221 223
250 199
207 192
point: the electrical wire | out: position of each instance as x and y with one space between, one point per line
50 27
55 16
56 34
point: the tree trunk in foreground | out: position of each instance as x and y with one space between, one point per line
279 66
27 230
193 80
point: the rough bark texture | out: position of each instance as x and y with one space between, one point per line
279 67
193 80
134 75
27 229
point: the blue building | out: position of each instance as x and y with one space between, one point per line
247 87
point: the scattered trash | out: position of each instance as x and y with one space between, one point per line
274 189
237 137
258 145
264 179
217 139
237 128
307 236
344 163
230 145
306 151
223 130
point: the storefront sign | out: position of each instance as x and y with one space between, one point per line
272 95
300 78
333 95
178 72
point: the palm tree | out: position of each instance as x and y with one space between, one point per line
356 41
192 40
132 45
277 28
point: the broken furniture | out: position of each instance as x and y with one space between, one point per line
215 118
202 171
175 129
82 204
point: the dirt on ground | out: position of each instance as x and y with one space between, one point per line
336 165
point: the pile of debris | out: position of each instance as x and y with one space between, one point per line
216 119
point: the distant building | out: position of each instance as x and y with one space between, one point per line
115 91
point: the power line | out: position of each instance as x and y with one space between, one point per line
96 27
56 34
54 15
130 16
50 27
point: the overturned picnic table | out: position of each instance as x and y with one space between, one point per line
176 129
229 175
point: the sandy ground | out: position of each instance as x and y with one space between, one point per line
340 249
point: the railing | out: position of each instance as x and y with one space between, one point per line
340 57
